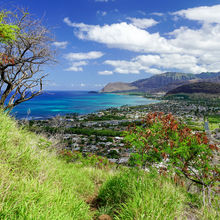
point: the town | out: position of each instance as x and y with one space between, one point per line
101 133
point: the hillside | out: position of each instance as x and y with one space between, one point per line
35 183
118 86
38 183
163 82
198 87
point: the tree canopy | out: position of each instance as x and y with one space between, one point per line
7 31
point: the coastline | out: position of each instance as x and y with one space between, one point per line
71 102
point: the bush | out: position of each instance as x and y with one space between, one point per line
161 138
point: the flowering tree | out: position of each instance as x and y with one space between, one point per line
163 138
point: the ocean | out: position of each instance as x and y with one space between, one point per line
52 103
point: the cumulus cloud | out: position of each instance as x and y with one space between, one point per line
77 66
124 36
131 67
81 59
84 56
156 64
184 49
60 44
106 72
143 23
204 14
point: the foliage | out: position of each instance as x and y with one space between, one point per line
214 119
8 32
163 139
25 48
84 131
35 183
85 159
108 117
91 131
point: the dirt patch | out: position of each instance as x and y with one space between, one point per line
93 202
104 217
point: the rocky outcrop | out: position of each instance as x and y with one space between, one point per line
118 87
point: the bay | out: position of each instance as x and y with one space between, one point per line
52 103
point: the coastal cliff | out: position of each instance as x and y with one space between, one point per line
118 87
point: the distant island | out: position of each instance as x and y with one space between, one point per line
93 92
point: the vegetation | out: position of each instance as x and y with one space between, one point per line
35 184
85 131
104 117
163 139
24 48
8 32
40 182
198 87
140 195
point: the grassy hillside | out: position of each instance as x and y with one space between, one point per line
37 184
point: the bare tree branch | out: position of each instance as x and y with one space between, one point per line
21 61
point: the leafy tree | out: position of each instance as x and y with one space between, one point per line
7 31
24 49
162 138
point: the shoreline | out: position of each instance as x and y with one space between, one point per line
51 112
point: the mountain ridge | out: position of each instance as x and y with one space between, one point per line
162 82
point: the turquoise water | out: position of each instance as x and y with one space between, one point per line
52 103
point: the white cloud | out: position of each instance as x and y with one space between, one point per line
82 84
143 23
103 13
156 64
84 56
106 72
157 14
124 36
77 66
60 44
184 49
208 14
103 0
67 21
100 85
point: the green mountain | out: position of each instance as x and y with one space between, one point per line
198 87
162 82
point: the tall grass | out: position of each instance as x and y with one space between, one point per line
34 184
139 195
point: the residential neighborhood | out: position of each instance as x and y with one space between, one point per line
101 133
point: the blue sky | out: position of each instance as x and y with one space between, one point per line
101 41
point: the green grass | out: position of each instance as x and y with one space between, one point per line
140 195
35 184
214 121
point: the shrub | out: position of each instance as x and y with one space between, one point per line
161 138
